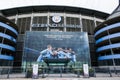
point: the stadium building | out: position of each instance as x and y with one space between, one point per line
52 19
8 35
107 36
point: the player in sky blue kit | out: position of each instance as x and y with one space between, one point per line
47 53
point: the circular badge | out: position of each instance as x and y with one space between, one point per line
56 19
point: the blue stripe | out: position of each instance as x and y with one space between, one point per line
33 50
108 47
116 56
108 37
8 27
7 47
6 57
8 37
107 27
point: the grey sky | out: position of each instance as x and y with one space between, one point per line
101 5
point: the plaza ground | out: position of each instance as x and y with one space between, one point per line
91 78
64 77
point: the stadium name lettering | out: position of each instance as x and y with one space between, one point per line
55 25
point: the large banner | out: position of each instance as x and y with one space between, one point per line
37 41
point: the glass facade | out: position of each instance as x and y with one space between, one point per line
24 24
88 26
37 41
45 23
72 21
39 20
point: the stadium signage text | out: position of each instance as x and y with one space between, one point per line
55 25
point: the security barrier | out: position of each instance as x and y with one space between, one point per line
72 70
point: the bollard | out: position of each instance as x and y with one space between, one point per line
110 72
43 72
8 72
60 71
78 73
94 72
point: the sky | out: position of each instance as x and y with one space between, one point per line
106 6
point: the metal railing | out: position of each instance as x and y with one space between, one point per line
17 72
